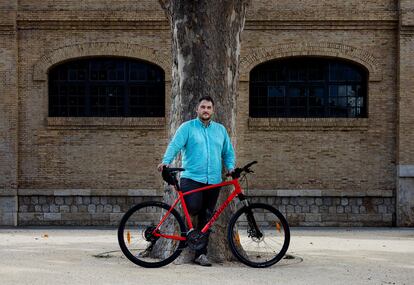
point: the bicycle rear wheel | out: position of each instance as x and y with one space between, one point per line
140 245
258 235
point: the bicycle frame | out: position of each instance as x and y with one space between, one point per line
237 191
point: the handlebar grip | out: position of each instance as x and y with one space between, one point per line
249 164
172 169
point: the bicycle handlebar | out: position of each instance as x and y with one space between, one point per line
238 171
168 174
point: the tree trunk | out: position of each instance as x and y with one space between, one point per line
205 51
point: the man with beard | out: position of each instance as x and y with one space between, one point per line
204 145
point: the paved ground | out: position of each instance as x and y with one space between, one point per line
322 256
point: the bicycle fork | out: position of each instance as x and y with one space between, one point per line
253 230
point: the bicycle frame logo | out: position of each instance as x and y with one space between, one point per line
236 192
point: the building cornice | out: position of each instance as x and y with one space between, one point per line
132 20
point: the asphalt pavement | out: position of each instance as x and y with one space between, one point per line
320 256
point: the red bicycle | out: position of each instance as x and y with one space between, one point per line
153 234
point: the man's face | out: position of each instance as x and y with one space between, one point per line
205 110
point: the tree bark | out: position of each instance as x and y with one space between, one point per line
206 39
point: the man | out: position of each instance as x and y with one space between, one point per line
204 144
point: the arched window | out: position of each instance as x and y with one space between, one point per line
307 87
106 87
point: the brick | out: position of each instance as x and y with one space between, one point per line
23 208
377 201
327 201
65 209
382 209
53 208
59 201
313 218
86 200
314 209
82 208
108 208
92 208
301 201
319 202
42 200
52 216
34 200
69 200
355 209
362 210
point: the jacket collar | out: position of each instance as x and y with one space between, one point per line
200 123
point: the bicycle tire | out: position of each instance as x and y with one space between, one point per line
245 245
141 219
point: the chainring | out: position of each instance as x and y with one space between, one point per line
196 240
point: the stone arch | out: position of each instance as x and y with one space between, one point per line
59 55
260 55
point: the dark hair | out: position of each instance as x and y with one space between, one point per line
206 98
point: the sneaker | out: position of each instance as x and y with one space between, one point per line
202 260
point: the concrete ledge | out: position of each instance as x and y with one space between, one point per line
250 192
308 124
318 193
8 192
406 170
88 192
94 122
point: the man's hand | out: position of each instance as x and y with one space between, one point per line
161 166
229 172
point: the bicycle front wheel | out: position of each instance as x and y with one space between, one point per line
136 234
258 235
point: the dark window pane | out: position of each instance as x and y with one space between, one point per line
308 87
274 91
104 87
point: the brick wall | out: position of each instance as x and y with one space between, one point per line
8 111
354 159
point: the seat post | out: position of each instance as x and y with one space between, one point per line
177 185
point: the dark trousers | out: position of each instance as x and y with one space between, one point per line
200 204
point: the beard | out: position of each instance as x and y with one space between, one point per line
205 117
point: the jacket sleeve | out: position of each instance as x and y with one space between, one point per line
176 144
227 153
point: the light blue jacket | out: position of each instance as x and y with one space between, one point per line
202 149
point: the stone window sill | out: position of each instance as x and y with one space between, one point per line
308 124
105 123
